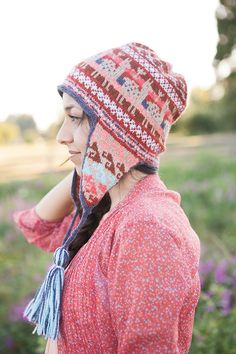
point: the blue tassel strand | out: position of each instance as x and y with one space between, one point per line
44 308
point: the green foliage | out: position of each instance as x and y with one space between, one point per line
204 115
26 125
226 108
24 121
215 318
15 339
9 132
226 24
225 111
201 123
207 187
200 117
22 266
213 332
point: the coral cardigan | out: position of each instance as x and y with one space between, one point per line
134 286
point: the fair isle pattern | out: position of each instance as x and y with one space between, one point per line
135 98
103 97
134 90
104 169
164 83
121 135
97 177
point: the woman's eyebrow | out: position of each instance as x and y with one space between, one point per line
69 107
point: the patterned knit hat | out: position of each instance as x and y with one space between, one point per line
132 98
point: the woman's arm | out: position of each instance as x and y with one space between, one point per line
148 283
45 225
57 203
47 235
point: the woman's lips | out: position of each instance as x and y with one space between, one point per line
73 154
70 157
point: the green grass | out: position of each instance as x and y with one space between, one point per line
207 185
208 196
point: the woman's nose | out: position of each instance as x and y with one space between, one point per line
64 135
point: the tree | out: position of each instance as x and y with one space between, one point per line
225 58
200 116
9 132
26 124
24 121
226 25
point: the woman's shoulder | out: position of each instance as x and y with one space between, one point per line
152 205
157 212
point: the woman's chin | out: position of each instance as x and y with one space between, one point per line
78 170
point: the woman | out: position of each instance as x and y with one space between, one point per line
125 275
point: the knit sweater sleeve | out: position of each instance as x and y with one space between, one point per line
148 283
47 235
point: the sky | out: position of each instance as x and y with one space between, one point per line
42 40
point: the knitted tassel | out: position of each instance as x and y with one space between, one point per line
44 308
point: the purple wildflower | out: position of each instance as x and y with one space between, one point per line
234 279
209 294
221 272
210 308
206 267
226 301
233 258
226 311
17 310
9 343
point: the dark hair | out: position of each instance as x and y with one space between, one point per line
98 211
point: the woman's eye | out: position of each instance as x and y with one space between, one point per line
73 118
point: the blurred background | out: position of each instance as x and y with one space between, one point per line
40 42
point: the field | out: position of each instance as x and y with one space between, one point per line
26 161
201 168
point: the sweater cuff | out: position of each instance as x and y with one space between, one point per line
29 221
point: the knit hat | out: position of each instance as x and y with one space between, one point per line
132 98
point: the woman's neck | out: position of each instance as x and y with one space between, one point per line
125 184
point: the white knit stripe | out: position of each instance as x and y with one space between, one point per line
128 139
114 109
135 145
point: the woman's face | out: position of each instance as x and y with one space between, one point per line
74 131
